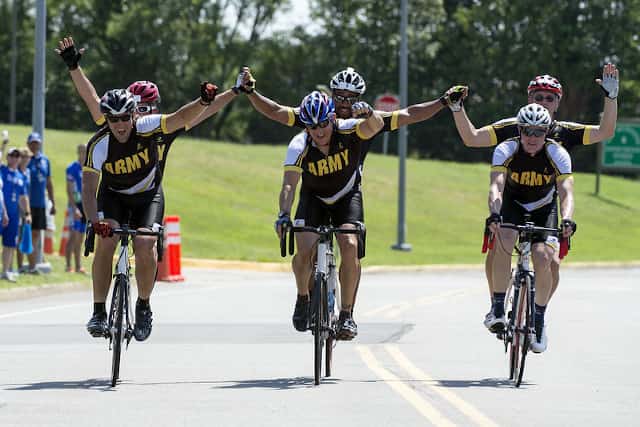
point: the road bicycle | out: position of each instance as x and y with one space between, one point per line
120 322
520 308
325 296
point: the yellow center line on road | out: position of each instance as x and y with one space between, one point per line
417 374
425 408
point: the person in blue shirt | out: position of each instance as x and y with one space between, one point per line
41 184
25 158
14 191
76 213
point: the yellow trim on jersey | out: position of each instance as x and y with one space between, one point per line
586 136
563 177
394 120
292 117
89 169
301 157
163 124
498 169
293 168
100 121
492 135
360 135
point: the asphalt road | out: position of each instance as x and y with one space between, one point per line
223 353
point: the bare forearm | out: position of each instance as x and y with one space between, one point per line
269 108
287 196
87 92
608 119
50 191
221 100
186 114
495 200
471 137
89 201
419 112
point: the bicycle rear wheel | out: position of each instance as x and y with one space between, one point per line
319 291
520 334
117 328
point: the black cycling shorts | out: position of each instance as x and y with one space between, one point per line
138 210
546 216
314 212
38 219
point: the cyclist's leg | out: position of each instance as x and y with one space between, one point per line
146 210
310 212
543 252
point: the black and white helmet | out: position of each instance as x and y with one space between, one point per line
534 115
116 102
348 80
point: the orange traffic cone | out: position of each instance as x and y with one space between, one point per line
48 242
64 238
169 269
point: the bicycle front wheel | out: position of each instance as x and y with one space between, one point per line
520 334
526 341
117 328
319 308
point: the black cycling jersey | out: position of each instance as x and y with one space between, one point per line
329 177
134 166
531 180
567 134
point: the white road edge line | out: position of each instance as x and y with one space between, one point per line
466 408
420 404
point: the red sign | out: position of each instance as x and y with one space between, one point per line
387 102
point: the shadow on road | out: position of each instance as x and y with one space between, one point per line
485 382
275 383
88 384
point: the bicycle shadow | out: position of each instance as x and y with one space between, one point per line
88 384
482 383
275 383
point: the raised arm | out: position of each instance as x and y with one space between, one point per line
71 56
188 113
609 83
265 106
221 100
372 125
419 112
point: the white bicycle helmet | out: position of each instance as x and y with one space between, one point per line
534 115
349 80
116 102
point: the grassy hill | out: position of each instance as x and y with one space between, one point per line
226 196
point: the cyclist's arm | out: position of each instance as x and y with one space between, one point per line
371 126
90 179
188 113
607 126
418 112
471 137
565 192
271 109
88 93
221 100
288 191
496 189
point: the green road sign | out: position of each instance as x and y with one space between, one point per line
623 150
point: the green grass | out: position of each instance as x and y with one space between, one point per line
226 196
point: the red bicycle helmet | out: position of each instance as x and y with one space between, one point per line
545 82
145 91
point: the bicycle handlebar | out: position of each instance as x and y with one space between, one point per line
89 243
529 228
322 230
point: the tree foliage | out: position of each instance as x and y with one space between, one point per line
494 46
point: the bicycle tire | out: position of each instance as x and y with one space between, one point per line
528 316
318 290
522 332
118 329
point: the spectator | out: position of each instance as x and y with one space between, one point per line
25 158
41 183
76 213
15 195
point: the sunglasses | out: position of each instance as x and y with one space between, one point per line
144 109
348 99
548 98
323 124
532 131
122 118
